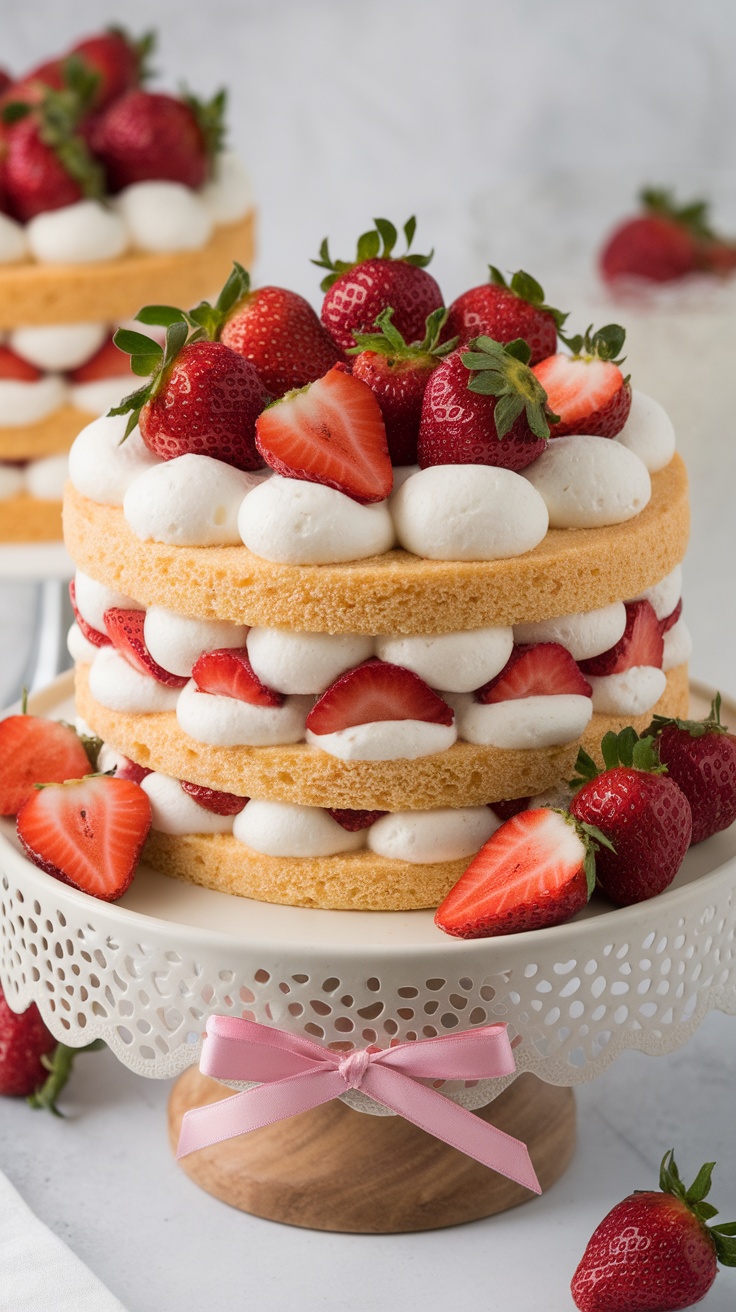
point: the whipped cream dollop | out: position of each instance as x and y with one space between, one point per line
175 812
164 216
664 596
45 478
228 195
678 646
296 662
93 599
278 829
226 722
13 241
468 512
426 837
118 686
632 692
12 482
81 650
190 501
26 403
102 466
97 397
526 722
58 346
83 233
584 635
455 662
589 482
175 642
292 522
385 740
648 432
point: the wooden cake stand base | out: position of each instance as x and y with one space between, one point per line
336 1169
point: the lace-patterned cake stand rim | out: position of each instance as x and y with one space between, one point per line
144 974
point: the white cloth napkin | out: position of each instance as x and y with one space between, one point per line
38 1272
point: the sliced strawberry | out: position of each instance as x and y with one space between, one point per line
353 821
132 771
331 432
213 800
590 395
542 669
228 672
670 620
535 871
92 635
87 832
376 691
125 631
642 643
14 368
504 810
33 751
108 362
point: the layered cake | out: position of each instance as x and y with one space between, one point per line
109 195
352 590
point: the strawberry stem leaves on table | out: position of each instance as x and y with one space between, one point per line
59 1064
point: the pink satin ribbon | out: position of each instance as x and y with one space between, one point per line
294 1075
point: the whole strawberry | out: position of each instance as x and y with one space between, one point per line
117 59
484 407
643 814
150 136
667 242
587 390
203 398
397 373
700 755
32 1064
357 291
654 1251
505 311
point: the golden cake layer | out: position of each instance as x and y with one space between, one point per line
26 519
50 436
109 290
465 775
353 881
572 570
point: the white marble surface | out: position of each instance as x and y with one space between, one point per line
343 112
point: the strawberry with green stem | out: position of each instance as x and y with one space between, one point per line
655 1252
484 406
356 291
32 1064
119 60
667 242
643 813
700 755
587 390
397 372
507 310
148 136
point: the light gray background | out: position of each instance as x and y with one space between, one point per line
344 110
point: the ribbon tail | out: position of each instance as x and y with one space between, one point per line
253 1108
446 1120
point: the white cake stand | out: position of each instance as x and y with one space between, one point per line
144 975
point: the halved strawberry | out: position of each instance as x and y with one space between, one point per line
213 800
670 620
376 691
125 630
353 821
587 390
92 635
13 367
34 751
541 669
228 672
537 870
108 362
642 643
330 432
87 832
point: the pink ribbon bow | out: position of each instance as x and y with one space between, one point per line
294 1075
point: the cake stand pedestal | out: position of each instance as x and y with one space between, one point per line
145 973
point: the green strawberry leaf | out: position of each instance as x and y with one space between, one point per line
696 728
160 316
378 242
503 371
59 1065
604 344
210 117
155 362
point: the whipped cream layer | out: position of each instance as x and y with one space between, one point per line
43 479
148 216
589 482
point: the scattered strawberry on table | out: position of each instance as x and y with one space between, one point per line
32 1064
700 755
655 1252
666 242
